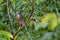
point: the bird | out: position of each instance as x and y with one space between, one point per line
20 19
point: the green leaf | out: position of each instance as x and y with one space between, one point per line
38 1
51 19
13 1
1 1
6 35
2 26
31 23
40 25
37 25
44 25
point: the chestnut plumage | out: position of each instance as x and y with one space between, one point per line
19 19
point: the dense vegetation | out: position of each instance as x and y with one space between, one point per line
41 19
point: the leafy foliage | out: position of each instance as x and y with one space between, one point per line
5 35
44 24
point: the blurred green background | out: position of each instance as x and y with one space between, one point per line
44 24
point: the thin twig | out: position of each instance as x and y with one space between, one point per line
32 12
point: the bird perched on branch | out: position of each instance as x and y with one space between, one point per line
20 19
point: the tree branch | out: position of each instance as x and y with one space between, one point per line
32 12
